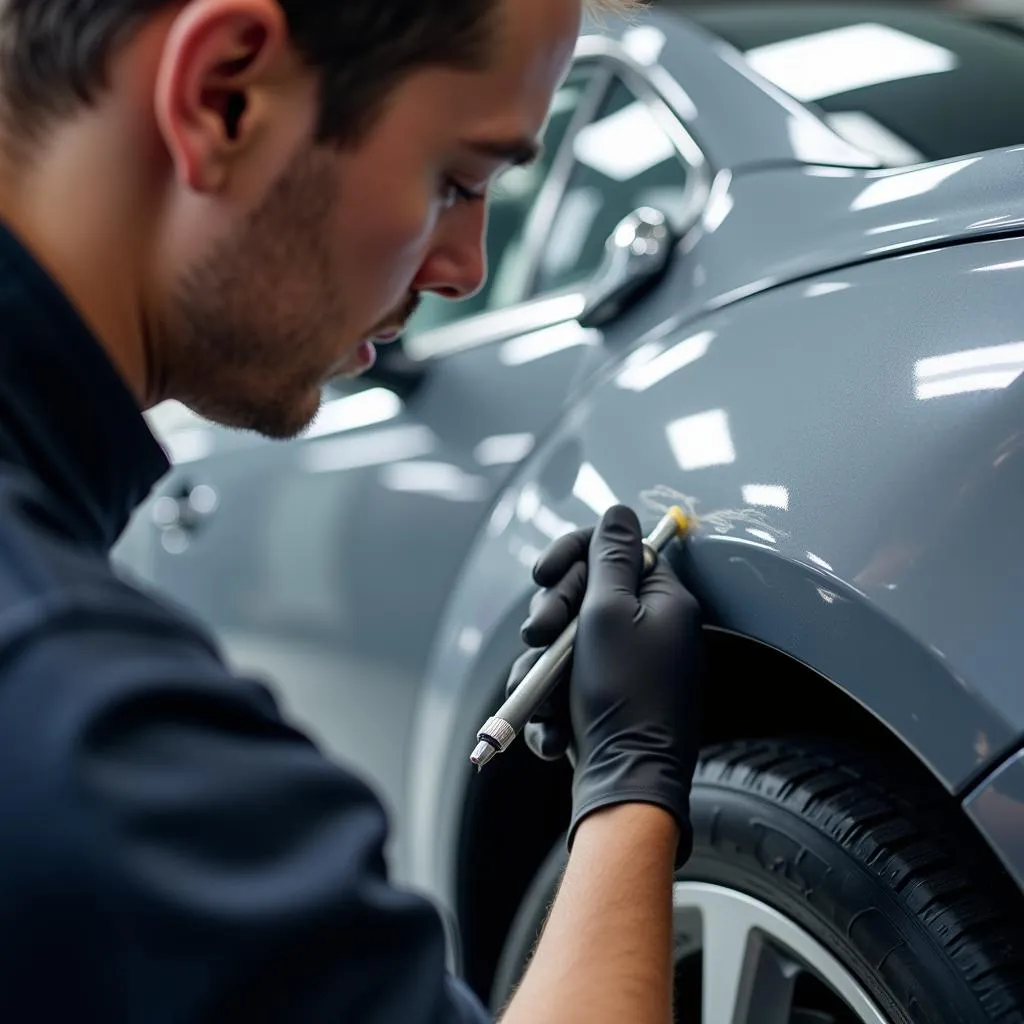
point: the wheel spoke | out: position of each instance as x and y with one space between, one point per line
770 999
745 979
726 938
752 957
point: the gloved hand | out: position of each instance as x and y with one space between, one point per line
631 709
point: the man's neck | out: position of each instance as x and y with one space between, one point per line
73 210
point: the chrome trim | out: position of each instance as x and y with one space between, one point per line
641 79
538 223
670 107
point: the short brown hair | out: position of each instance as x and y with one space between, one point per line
54 54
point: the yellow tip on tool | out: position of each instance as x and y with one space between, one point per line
681 518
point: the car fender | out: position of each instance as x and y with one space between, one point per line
851 450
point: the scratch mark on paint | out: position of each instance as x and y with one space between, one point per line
661 498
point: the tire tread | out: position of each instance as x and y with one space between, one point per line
902 832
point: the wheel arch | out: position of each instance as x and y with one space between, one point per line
514 813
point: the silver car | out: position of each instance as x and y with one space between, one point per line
771 267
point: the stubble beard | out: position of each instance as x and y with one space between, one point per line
253 321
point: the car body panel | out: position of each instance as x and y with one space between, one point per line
854 473
997 808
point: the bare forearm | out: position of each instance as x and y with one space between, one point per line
606 951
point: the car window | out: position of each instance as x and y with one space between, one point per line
623 160
908 86
512 198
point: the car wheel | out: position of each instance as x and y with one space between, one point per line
825 887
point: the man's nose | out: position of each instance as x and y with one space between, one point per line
456 265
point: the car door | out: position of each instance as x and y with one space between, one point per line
323 564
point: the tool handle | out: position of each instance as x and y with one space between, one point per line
540 681
543 677
537 685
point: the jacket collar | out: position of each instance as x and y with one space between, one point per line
66 415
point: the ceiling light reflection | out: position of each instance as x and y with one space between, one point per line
719 203
436 479
470 640
592 489
644 43
866 133
828 63
528 503
987 222
980 369
539 344
907 184
819 288
702 440
503 449
768 495
363 409
813 141
623 145
902 226
372 448
639 375
1011 265
188 445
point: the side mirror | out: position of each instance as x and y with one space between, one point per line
635 257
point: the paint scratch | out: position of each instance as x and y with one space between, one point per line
661 498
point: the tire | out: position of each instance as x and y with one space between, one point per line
864 876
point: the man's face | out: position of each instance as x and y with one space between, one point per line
327 248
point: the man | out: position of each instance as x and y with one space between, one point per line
224 202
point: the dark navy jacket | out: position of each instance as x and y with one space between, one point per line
170 849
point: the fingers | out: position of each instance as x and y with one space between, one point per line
552 610
616 554
662 586
560 557
548 740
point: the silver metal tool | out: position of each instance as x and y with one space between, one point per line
498 732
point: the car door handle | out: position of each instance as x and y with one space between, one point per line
635 256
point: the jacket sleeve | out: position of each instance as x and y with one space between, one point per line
183 854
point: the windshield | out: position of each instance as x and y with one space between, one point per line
908 86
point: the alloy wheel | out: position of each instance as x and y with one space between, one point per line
739 961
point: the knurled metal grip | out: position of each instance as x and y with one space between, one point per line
497 732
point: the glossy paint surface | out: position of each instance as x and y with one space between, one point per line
852 445
828 375
997 808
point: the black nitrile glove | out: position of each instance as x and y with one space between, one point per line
631 709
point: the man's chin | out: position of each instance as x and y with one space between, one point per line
359 362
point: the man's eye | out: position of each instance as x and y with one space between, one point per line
453 193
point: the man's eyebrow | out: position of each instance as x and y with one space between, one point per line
517 152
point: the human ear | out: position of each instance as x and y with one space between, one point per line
214 85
